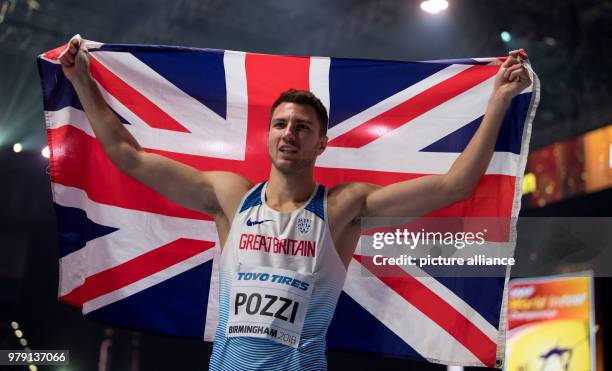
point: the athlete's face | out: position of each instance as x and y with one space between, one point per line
294 139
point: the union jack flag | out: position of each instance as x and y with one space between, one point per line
129 256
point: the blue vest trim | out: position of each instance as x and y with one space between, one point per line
252 199
316 204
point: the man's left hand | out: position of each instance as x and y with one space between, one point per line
512 77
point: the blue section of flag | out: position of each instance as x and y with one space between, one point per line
355 85
75 229
58 92
510 135
176 306
354 328
471 289
199 73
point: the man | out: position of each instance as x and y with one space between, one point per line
286 243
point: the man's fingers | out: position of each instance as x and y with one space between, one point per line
511 68
74 45
515 75
510 61
71 49
82 46
515 56
64 62
514 67
70 58
77 43
520 75
76 40
67 60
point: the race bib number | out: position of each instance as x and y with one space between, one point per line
269 303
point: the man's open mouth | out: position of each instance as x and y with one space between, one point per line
288 149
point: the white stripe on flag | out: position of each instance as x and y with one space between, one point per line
141 231
212 310
319 79
503 163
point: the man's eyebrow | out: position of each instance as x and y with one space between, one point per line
300 121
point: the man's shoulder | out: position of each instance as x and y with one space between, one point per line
229 180
229 189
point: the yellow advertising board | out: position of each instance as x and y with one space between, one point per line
550 324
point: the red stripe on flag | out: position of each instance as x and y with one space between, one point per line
54 54
439 311
78 160
135 269
397 116
140 105
267 77
493 196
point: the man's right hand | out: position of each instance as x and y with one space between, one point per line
75 60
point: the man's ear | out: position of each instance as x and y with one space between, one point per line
322 144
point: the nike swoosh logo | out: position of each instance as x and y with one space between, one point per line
255 222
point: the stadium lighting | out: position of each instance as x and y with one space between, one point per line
14 325
550 41
33 368
23 342
45 152
17 147
18 333
505 36
434 6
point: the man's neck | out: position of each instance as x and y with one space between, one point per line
288 192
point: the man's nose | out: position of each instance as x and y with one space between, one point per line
289 131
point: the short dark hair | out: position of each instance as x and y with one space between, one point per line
307 98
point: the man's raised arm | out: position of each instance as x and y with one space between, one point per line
423 195
214 192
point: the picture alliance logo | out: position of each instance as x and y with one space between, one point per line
404 237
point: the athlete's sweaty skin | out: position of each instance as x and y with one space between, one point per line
295 141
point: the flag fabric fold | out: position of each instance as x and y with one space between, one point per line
130 257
